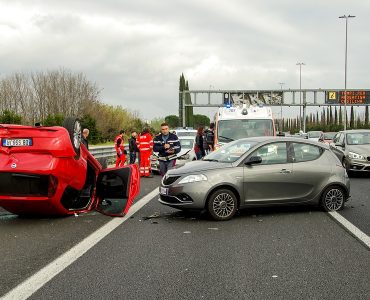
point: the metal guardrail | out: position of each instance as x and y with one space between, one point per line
105 153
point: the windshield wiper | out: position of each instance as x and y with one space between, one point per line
209 159
225 137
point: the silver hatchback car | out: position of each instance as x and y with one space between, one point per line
258 171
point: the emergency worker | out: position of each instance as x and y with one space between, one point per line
120 149
167 145
145 145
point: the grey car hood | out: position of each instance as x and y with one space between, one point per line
359 149
198 166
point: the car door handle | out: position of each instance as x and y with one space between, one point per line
285 171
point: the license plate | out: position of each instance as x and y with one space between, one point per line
164 191
16 142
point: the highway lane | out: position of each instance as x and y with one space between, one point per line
358 208
285 238
284 253
28 244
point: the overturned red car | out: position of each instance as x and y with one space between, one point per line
48 171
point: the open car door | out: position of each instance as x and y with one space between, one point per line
116 190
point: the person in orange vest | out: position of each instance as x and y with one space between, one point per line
145 144
120 149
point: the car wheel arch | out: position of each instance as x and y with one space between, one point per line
335 184
220 187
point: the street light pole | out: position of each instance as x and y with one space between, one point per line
281 106
345 72
300 64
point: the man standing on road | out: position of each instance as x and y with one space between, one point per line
145 146
133 149
85 134
167 145
120 149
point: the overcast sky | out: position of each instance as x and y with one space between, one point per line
136 50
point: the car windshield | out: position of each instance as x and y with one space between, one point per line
358 138
329 135
230 130
186 143
314 134
230 152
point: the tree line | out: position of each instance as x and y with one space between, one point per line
329 119
48 97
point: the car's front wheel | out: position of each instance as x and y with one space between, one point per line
345 164
222 205
333 198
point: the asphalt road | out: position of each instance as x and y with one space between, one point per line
279 253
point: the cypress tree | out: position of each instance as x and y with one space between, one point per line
340 116
335 116
188 110
366 116
352 118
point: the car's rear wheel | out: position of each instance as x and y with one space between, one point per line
73 127
222 205
333 198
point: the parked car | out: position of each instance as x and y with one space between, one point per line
352 147
314 135
185 132
186 154
258 171
47 171
327 137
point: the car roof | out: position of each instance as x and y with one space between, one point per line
263 139
355 130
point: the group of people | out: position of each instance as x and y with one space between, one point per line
166 143
141 146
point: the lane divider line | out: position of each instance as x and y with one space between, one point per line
360 235
40 278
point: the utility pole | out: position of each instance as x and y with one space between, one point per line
345 72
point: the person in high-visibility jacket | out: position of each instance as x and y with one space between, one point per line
145 145
120 149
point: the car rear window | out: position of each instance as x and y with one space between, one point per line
306 152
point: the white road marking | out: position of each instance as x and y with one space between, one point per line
39 279
363 237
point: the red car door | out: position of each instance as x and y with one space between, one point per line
116 189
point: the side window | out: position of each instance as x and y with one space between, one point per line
305 152
275 153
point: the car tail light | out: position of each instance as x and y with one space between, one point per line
52 185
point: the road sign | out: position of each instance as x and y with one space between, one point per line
353 97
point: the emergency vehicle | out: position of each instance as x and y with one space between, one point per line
236 122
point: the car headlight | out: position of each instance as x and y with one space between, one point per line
193 178
354 155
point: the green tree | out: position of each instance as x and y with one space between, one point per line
340 115
352 118
366 116
53 120
95 135
10 117
201 121
173 121
335 116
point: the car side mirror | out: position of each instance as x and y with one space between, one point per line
253 160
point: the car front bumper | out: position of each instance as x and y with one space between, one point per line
358 165
189 195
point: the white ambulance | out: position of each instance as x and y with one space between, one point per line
242 121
